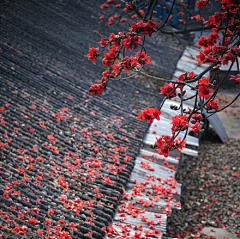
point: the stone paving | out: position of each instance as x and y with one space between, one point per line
231 116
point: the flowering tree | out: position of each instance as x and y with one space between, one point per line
221 47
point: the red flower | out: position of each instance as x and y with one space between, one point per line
107 180
179 123
50 211
164 151
132 41
39 232
149 28
204 81
202 3
35 210
104 5
202 42
195 127
204 92
110 20
142 58
180 14
92 56
129 6
235 78
137 235
186 76
47 222
108 57
145 28
62 222
166 89
156 113
32 220
203 88
202 57
20 230
212 105
123 20
144 219
149 114
196 116
126 64
96 89
105 74
63 198
103 43
73 226
228 57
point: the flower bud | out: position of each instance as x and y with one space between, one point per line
184 127
173 107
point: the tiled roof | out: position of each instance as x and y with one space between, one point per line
63 152
65 155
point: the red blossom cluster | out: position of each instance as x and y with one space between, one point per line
128 64
149 114
186 76
180 123
117 43
132 41
197 18
169 90
217 48
130 6
106 5
195 120
96 89
202 3
92 56
235 78
195 128
214 50
203 88
167 143
213 105
145 28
